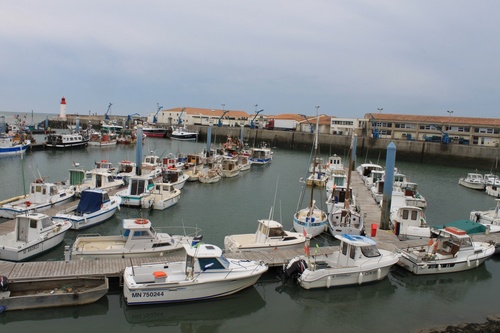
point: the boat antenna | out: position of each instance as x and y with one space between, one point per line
271 213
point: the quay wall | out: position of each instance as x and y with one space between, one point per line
453 154
471 156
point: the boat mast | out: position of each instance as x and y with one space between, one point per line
348 187
311 203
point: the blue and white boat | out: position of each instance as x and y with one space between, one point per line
358 261
9 146
261 155
95 206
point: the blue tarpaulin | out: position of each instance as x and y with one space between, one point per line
90 202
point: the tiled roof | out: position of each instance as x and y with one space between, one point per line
434 119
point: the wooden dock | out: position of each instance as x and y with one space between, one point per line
275 258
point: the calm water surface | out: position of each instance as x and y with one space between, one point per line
400 303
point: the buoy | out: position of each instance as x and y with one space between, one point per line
141 221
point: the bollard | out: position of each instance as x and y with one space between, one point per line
374 229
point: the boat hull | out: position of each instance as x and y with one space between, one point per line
473 186
189 290
47 293
13 150
418 266
10 212
31 249
87 220
337 277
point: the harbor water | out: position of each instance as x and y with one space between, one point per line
400 303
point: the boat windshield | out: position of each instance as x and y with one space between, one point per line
213 263
370 251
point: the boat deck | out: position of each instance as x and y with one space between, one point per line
275 258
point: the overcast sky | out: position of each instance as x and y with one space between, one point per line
350 57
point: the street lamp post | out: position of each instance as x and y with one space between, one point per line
449 112
380 110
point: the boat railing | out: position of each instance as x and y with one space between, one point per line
228 273
178 230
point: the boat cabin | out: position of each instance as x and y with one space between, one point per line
104 164
354 248
29 226
269 229
41 192
138 230
449 241
335 163
204 257
140 185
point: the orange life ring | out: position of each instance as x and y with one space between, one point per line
141 221
104 161
125 161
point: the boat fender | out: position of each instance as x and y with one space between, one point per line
329 281
141 221
4 283
76 295
360 278
27 203
379 274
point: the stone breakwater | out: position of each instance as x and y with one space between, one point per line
490 326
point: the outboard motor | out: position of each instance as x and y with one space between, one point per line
4 283
295 268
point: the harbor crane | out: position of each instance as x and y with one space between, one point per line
219 123
155 119
376 134
310 125
179 120
446 138
106 116
252 124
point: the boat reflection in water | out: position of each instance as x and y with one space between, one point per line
206 315
449 287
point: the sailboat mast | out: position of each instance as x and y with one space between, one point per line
348 187
311 203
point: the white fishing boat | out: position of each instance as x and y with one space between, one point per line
409 223
365 172
95 206
229 167
336 190
473 181
42 196
175 176
490 218
269 236
68 140
44 293
125 170
449 250
358 261
244 162
493 190
152 165
10 146
261 154
97 179
138 188
34 233
205 273
491 179
209 176
183 133
162 196
139 239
